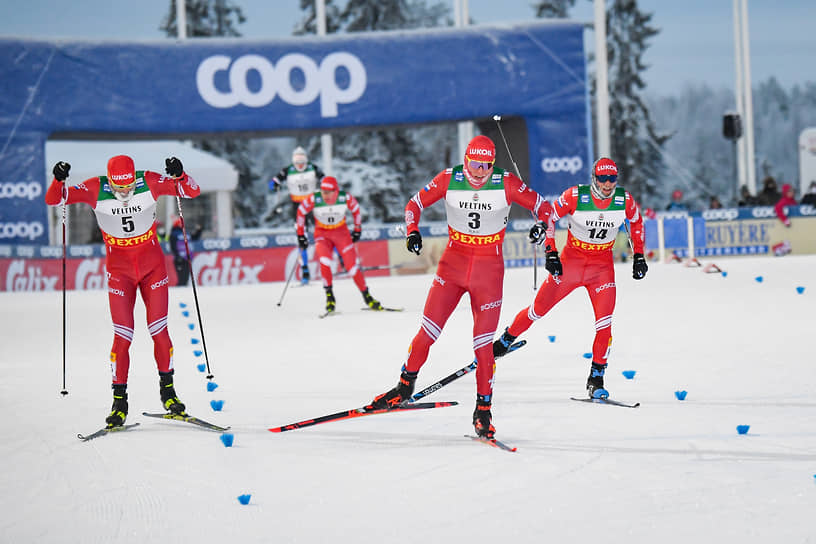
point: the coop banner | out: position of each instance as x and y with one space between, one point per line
92 89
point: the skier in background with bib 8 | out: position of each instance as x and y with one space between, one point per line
477 200
595 212
329 207
124 202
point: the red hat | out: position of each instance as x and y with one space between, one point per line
121 172
787 188
677 194
481 148
329 184
605 167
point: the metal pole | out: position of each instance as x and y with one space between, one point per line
739 142
326 143
749 103
602 80
461 16
181 19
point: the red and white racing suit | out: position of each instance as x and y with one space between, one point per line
472 262
331 232
134 257
587 259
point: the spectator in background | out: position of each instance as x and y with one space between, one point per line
746 198
181 261
161 232
786 200
714 203
769 195
810 196
676 203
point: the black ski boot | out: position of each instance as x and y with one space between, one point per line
482 418
330 302
595 382
501 345
119 409
372 302
397 395
169 399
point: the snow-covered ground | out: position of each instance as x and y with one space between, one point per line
669 471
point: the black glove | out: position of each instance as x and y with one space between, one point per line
173 167
639 266
303 242
553 264
537 233
355 236
414 242
61 170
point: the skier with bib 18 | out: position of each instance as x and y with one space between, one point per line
596 212
477 199
124 202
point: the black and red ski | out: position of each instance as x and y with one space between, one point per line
360 412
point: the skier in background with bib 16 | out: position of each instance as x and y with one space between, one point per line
595 212
301 178
124 202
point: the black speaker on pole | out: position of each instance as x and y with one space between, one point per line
732 126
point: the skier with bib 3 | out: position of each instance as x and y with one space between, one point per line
124 202
329 207
477 199
595 212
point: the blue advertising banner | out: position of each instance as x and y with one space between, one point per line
102 89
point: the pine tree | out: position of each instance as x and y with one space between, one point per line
386 185
556 9
208 18
635 142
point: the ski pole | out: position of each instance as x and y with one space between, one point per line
193 282
497 118
288 279
456 375
64 304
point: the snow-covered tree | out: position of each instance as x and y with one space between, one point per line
208 18
635 140
557 9
405 157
